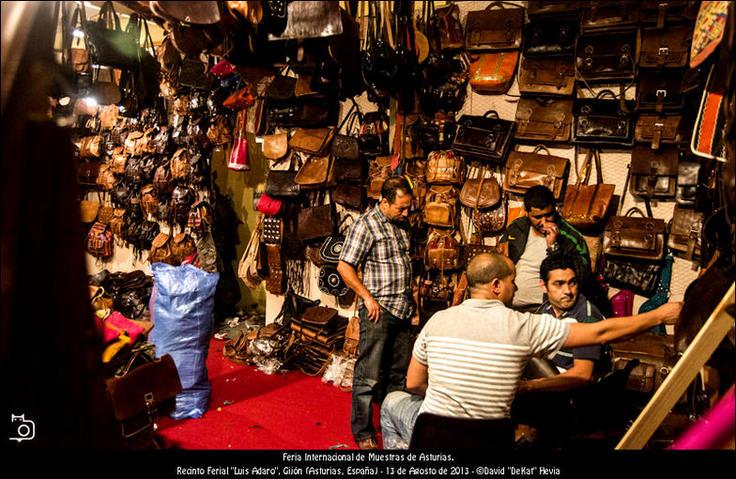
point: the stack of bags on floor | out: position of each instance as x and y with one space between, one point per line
316 334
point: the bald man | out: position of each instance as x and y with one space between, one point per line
468 360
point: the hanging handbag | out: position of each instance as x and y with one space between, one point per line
668 48
444 167
524 170
109 44
100 241
654 172
635 238
658 92
611 15
493 72
275 146
90 146
378 171
688 173
685 233
161 250
239 154
598 121
350 196
247 267
550 36
637 275
658 130
491 30
543 119
330 281
622 304
316 221
281 184
607 56
483 138
312 141
662 295
317 172
479 191
547 76
89 209
490 221
88 172
442 251
440 206
585 205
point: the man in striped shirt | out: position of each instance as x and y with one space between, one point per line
468 360
379 243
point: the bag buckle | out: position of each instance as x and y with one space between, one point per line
661 93
663 52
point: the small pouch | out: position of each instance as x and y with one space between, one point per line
276 146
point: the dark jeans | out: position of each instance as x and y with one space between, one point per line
384 351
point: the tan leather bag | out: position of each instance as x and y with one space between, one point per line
119 160
149 202
88 210
316 172
442 251
550 76
654 172
312 141
480 191
161 250
182 246
117 222
105 178
275 146
108 116
444 167
180 166
524 170
685 227
493 72
90 146
630 237
440 206
658 129
378 172
543 119
585 205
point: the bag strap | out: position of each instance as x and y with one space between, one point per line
623 194
635 209
108 17
347 116
538 148
493 112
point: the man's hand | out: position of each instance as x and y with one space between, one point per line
374 310
670 312
551 232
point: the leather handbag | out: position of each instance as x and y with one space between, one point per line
543 119
656 13
90 146
492 30
687 183
445 29
665 48
440 206
378 171
607 56
348 170
317 172
634 238
637 275
658 129
349 196
312 141
658 92
611 15
319 317
524 170
161 250
316 221
483 138
547 76
493 72
598 121
109 44
656 355
182 247
585 205
88 172
281 184
685 232
330 281
480 192
491 221
275 146
181 168
89 210
550 36
240 99
654 172
444 167
442 252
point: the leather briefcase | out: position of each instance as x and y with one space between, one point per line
493 72
524 170
654 172
658 129
444 167
585 205
491 30
685 231
640 276
550 36
543 119
688 173
549 76
661 14
607 56
605 122
637 238
658 92
483 138
597 16
656 354
665 48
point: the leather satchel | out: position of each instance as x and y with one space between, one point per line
654 172
280 183
658 92
665 48
550 36
493 72
607 56
661 14
634 238
480 192
349 196
275 146
687 183
685 232
585 205
378 172
543 119
548 76
492 30
656 355
312 141
319 317
483 138
440 206
658 129
315 222
316 172
442 252
603 122
637 275
597 16
524 170
444 167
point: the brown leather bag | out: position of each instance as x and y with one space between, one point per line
149 202
524 170
275 279
480 192
317 221
319 317
316 172
105 214
352 337
665 48
490 30
117 222
549 76
543 119
182 246
657 357
161 250
585 205
133 142
350 196
444 167
312 141
685 230
275 146
378 172
440 206
118 161
654 172
658 129
638 238
105 178
90 146
180 166
442 251
493 72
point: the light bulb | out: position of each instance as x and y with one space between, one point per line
90 101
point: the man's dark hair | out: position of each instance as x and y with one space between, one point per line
538 197
486 267
394 184
558 261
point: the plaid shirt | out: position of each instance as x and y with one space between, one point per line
383 248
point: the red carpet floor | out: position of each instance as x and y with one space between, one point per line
253 410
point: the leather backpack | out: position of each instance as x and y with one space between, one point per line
444 167
161 250
180 166
442 252
182 247
440 206
163 182
100 241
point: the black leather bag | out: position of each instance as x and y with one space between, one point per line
350 196
638 276
599 121
659 92
483 138
281 184
552 36
330 281
607 56
660 14
109 44
601 16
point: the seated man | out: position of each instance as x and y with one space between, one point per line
468 359
531 238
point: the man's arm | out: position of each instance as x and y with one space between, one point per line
578 375
615 329
350 276
417 378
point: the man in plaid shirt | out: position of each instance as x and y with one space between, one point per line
379 242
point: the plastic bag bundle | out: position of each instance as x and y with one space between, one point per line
339 371
181 309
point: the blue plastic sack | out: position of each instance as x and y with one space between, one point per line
181 307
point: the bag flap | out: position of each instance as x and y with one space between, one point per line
488 196
645 161
160 240
667 126
319 315
275 146
669 44
539 163
314 172
313 141
685 222
547 71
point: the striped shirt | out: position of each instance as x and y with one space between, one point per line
475 354
383 248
